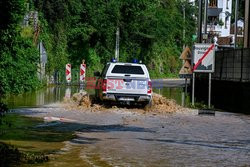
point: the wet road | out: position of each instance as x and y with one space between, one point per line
119 137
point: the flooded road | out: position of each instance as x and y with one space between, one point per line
57 93
121 137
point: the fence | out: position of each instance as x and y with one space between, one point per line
232 65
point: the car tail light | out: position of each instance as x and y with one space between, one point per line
149 87
104 85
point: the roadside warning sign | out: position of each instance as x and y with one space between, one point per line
82 72
186 69
68 73
203 58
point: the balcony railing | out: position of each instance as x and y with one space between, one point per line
214 11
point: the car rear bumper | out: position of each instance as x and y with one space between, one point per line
127 97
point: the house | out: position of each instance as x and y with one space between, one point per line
219 17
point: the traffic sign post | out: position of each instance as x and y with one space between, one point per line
209 90
82 75
82 72
186 70
193 86
68 73
203 61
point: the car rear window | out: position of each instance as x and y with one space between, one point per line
127 69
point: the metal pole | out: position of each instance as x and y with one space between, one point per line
235 23
200 22
205 17
247 25
182 98
185 86
117 44
184 93
193 87
209 90
184 30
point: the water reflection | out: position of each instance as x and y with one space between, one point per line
67 93
178 94
58 93
40 97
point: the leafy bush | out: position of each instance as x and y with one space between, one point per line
19 56
9 155
12 156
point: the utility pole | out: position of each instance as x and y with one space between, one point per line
235 23
247 25
200 22
205 17
184 27
117 44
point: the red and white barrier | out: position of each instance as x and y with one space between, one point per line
82 72
68 73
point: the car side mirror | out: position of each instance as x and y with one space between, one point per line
97 74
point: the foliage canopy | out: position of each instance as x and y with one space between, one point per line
150 30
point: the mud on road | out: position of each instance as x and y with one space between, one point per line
83 101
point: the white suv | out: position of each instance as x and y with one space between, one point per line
124 82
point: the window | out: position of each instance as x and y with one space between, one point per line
212 3
212 20
127 69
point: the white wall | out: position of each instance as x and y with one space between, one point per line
225 29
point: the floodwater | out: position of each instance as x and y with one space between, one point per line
123 138
57 93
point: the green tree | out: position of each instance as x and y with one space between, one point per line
150 30
19 57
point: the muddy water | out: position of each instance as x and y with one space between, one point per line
56 94
123 138
41 97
